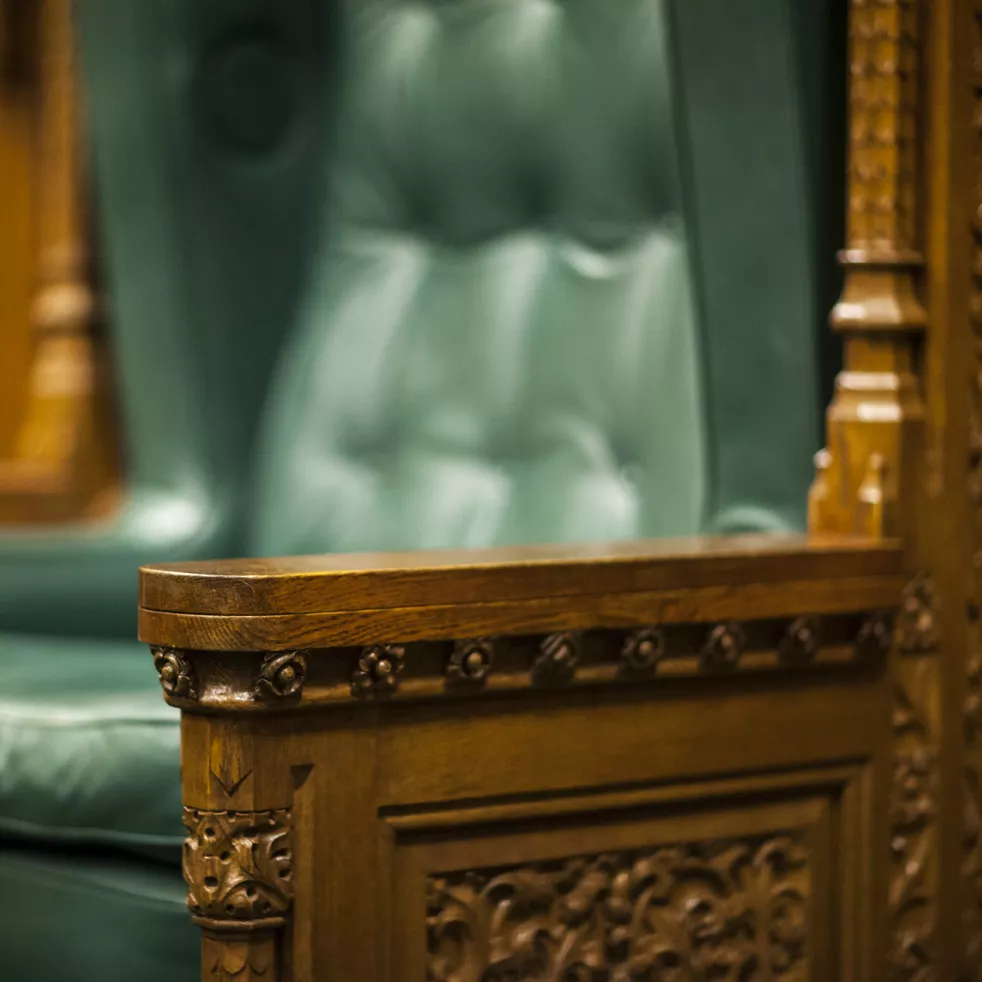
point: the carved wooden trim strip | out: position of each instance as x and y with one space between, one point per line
971 869
733 909
913 832
244 681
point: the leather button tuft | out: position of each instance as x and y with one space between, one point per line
247 91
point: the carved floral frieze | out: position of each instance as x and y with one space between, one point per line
725 910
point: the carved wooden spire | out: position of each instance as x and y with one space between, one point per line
875 421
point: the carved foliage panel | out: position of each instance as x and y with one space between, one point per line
732 909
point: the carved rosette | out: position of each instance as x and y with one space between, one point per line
557 658
174 672
238 866
281 676
732 909
643 650
801 641
470 661
378 669
917 631
876 635
724 645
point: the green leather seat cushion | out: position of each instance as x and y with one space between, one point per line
89 752
115 919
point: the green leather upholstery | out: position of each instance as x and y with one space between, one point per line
75 919
559 295
89 752
562 287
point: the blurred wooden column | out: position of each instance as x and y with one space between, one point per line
63 461
900 445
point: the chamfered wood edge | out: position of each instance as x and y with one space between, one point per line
377 581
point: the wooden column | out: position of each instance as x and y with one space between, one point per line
869 478
898 427
62 462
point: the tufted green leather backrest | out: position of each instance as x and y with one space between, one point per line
564 288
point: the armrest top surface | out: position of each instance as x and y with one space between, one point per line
365 581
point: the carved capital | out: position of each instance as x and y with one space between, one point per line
378 669
470 661
175 673
238 866
281 676
557 658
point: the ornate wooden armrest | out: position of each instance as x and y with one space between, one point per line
434 693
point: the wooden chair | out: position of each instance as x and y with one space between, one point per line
707 758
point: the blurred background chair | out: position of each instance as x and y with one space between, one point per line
566 278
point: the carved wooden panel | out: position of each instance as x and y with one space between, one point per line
761 883
730 909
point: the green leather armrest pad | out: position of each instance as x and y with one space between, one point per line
89 752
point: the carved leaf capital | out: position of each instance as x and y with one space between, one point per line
238 864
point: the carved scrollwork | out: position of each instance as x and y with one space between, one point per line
238 864
643 650
470 661
175 672
727 910
912 830
917 631
281 676
557 658
378 669
724 645
801 641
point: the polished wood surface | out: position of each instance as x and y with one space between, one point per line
305 584
902 439
706 720
19 98
591 762
606 587
59 460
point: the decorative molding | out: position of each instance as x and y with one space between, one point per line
913 834
971 869
175 673
470 661
557 658
873 460
884 51
242 682
643 650
801 641
731 909
724 645
281 676
378 669
917 628
238 866
876 635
